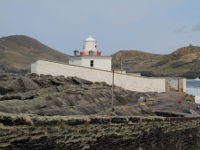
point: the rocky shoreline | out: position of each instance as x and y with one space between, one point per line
187 75
47 112
22 132
46 95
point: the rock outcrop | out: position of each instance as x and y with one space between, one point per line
22 132
48 95
45 112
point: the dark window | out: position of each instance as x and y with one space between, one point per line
91 63
91 52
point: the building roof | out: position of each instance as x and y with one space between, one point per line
90 38
90 56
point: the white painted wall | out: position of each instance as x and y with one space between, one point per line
34 67
90 46
134 83
75 61
184 85
100 62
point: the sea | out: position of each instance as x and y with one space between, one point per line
193 87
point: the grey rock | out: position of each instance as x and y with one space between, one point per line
29 84
48 95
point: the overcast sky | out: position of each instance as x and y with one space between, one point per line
158 26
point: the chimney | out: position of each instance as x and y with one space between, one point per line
76 53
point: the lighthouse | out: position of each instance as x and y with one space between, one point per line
90 47
90 56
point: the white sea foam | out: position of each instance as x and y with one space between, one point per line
197 99
193 80
194 91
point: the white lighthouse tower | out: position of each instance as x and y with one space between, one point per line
90 56
90 44
90 47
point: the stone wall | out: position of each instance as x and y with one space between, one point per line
99 62
130 82
22 132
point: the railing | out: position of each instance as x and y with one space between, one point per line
93 54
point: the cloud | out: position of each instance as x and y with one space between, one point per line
180 30
196 28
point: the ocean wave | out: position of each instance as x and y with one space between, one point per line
194 91
197 99
193 80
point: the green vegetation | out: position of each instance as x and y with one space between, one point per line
18 52
184 61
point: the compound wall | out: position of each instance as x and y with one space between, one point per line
129 82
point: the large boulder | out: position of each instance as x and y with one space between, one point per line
29 84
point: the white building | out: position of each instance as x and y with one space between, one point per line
90 56
129 82
90 65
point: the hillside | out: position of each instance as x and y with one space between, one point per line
135 61
183 62
17 52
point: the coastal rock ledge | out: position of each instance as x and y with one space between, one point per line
22 132
43 112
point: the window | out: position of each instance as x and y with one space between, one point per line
91 63
91 52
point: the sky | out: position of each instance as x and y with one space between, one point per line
156 26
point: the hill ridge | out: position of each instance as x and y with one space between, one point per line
17 52
184 62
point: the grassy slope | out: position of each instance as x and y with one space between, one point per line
183 60
18 52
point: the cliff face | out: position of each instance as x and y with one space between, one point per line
24 132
